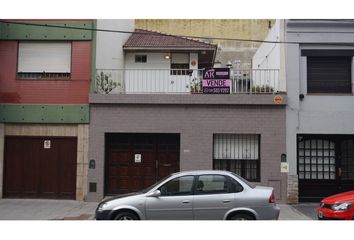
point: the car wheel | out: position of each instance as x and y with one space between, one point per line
242 216
123 216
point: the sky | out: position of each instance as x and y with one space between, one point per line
232 9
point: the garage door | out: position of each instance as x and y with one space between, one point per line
136 161
40 167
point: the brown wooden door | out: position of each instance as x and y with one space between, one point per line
136 161
34 171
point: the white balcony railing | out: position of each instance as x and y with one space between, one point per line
166 81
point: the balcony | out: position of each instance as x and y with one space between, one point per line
181 81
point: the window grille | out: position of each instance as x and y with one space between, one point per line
238 153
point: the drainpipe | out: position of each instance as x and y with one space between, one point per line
93 58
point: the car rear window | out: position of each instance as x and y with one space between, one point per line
251 185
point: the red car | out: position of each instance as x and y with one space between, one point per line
337 207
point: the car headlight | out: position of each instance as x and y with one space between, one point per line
101 207
341 206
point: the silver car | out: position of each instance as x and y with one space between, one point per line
194 195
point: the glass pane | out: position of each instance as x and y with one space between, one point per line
211 184
332 153
333 160
326 160
313 152
314 168
320 175
307 144
319 153
333 168
307 175
308 167
301 175
319 168
333 176
326 152
307 160
313 160
326 176
320 160
325 144
326 168
301 167
301 144
314 176
177 186
301 152
301 160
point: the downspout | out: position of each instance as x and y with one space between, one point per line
93 58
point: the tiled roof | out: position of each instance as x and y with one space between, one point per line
141 39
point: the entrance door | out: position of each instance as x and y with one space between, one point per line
136 161
325 165
40 167
346 165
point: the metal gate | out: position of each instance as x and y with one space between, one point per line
325 165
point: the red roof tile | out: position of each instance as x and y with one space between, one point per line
144 39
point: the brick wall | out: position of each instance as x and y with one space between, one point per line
196 124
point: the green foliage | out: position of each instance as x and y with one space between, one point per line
262 89
196 86
105 82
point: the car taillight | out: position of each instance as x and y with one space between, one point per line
272 198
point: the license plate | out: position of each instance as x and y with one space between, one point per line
320 214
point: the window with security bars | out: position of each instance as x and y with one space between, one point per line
316 159
238 153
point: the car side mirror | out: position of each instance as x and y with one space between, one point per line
156 193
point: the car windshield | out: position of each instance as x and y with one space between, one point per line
251 185
155 184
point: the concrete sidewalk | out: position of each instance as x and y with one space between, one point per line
290 212
43 209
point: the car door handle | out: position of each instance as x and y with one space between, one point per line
226 201
186 201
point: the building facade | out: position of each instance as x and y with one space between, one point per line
149 117
237 53
45 71
318 62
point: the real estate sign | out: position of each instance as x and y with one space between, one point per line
216 81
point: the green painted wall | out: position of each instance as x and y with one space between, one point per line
23 31
17 113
